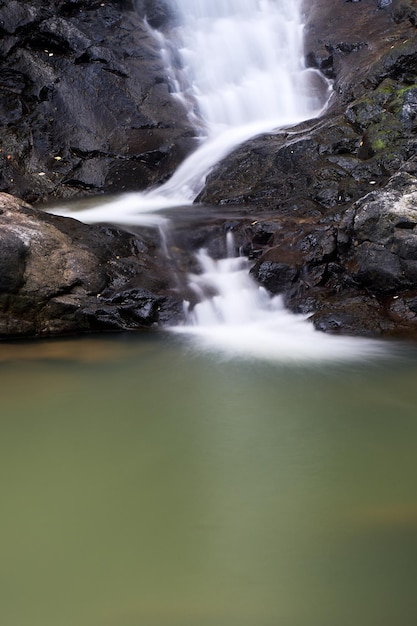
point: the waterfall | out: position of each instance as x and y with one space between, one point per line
241 73
235 317
243 63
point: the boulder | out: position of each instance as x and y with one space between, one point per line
85 102
60 276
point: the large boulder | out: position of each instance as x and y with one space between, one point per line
85 102
60 276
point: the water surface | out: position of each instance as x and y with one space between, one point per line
144 484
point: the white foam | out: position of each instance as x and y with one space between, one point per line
240 319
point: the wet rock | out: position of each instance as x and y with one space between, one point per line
275 276
159 13
310 170
85 103
324 165
356 314
60 276
366 42
370 287
381 231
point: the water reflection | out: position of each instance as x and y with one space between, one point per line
166 488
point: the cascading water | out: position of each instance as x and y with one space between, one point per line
241 319
243 63
241 74
244 72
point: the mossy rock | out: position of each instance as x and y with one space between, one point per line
387 119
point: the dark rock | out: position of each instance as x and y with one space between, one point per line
85 103
363 41
60 276
382 239
355 315
12 261
158 13
312 168
275 276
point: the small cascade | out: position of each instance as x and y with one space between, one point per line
242 63
236 317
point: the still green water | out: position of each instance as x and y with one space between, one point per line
146 485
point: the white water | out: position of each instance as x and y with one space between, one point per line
242 74
241 319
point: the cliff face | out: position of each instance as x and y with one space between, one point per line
85 104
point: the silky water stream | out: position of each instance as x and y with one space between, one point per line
241 471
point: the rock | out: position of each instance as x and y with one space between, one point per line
159 13
307 170
85 103
323 165
60 276
369 284
359 43
382 238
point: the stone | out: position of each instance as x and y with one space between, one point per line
60 276
84 81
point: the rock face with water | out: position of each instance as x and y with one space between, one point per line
326 209
59 276
85 104
338 192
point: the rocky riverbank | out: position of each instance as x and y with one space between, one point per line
59 276
327 210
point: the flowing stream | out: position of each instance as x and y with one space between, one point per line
241 73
